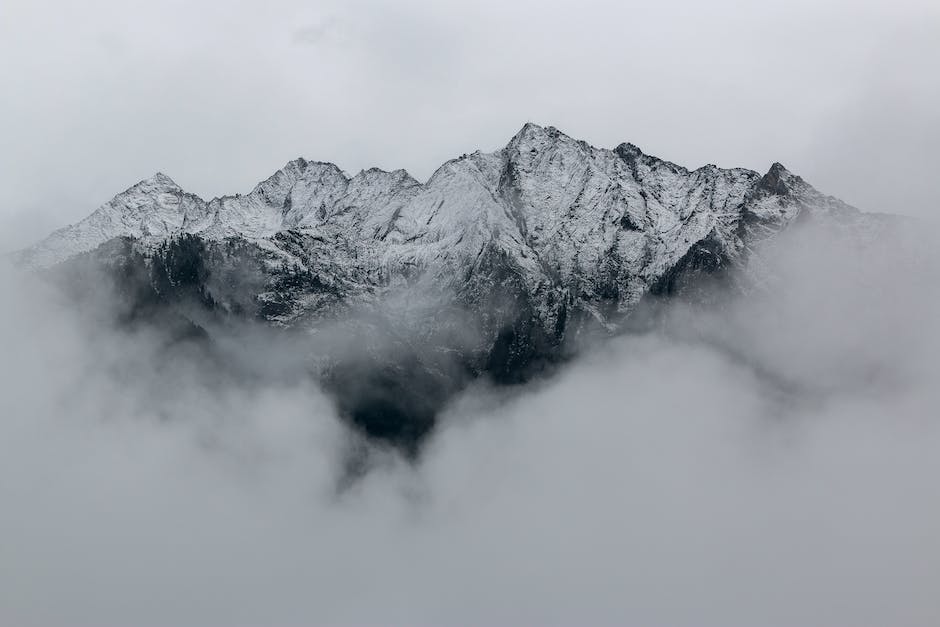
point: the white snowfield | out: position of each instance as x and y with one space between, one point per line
563 212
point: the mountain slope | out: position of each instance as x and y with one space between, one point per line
495 266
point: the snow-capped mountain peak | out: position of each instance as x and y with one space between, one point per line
490 266
598 223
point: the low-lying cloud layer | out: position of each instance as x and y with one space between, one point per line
769 462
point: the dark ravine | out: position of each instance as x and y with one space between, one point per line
400 293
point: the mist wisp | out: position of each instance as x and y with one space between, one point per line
769 459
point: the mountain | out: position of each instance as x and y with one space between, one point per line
497 266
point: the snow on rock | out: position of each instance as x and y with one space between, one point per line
152 210
569 224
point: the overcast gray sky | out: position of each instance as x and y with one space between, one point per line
779 470
100 94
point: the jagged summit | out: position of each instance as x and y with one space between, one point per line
629 151
157 181
159 178
532 132
490 267
534 137
544 190
779 180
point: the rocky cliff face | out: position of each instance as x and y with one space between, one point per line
492 267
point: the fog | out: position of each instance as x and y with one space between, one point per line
771 461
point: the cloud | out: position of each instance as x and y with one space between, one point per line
770 461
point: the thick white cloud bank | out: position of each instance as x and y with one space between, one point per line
773 463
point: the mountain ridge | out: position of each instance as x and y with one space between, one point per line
500 263
321 173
